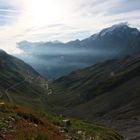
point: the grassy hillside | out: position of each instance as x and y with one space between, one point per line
20 83
18 123
107 92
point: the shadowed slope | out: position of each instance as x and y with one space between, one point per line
107 92
20 83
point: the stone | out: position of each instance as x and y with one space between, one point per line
79 132
2 103
63 130
67 122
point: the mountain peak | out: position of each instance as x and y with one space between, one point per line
119 27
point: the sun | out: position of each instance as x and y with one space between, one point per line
43 11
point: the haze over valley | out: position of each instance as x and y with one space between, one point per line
55 59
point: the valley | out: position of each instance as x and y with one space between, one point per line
79 90
23 104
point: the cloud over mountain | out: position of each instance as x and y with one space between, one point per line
61 20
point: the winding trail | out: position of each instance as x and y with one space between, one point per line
11 87
1 94
19 83
46 85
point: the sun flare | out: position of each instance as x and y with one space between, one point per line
43 11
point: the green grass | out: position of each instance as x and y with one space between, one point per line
90 129
23 118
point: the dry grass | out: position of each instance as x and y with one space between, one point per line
28 125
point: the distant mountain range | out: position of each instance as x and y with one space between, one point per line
57 58
107 92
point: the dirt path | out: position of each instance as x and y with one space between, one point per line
1 94
11 87
18 84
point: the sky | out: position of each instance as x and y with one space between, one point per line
64 20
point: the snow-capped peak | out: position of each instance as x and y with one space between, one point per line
120 25
109 30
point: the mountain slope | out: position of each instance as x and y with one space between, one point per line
18 123
107 92
20 83
55 59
